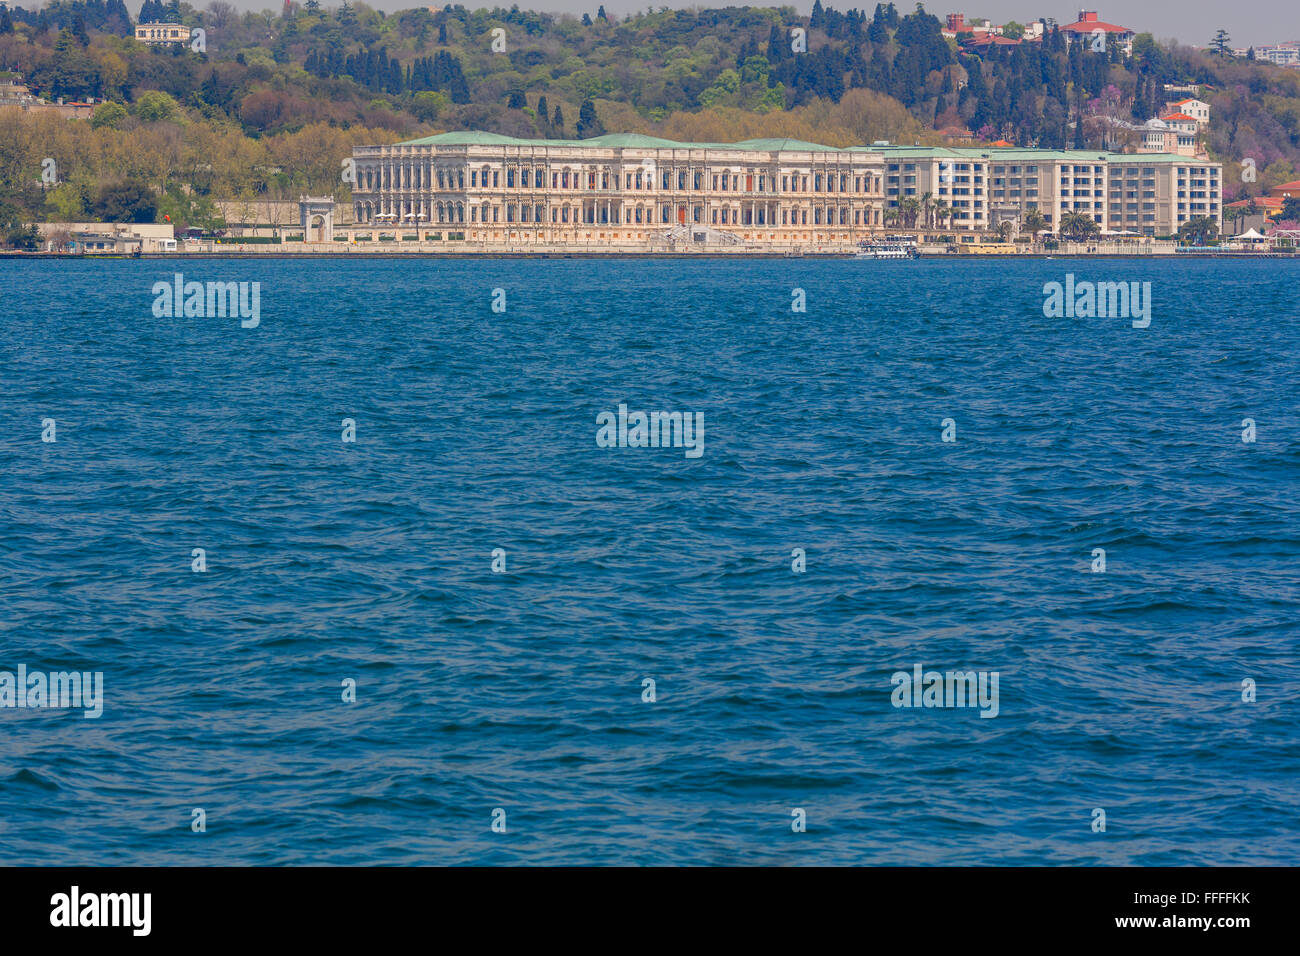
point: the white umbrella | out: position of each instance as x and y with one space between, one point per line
1249 234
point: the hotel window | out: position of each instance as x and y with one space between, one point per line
667 214
666 180
699 180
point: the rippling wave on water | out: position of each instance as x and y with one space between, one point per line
523 690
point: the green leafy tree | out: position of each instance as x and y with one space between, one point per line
65 203
23 236
125 201
187 210
108 115
156 106
427 104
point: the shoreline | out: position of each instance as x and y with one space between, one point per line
165 256
618 254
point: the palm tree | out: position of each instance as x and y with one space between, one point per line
1199 230
1078 225
1005 228
941 212
892 215
1236 218
911 208
925 207
1034 223
1252 208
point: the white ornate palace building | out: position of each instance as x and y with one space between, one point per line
620 188
628 189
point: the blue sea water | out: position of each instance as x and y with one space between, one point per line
475 430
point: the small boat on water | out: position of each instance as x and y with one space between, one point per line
895 247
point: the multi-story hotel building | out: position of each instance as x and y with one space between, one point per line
621 188
1150 194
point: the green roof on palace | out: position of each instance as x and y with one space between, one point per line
1026 154
776 144
611 141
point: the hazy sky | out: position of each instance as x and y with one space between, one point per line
1192 21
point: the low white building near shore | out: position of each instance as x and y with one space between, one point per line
104 238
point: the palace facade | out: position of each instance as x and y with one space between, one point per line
621 188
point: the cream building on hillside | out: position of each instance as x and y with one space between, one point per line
162 33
